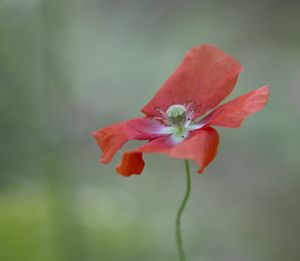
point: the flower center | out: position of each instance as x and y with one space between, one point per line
178 120
177 115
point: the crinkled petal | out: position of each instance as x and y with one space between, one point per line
111 138
233 113
132 163
206 76
201 147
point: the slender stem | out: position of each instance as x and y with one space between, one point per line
180 211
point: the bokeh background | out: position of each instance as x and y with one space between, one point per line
70 67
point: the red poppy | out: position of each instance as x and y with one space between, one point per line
171 124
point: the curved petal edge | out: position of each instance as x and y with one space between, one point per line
111 138
233 113
206 76
201 147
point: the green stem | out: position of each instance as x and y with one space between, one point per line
180 211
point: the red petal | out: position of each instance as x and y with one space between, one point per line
201 147
233 113
132 163
110 139
206 76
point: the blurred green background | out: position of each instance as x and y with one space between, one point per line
70 67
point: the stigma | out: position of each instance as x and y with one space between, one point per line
177 115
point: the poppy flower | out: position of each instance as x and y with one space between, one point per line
175 123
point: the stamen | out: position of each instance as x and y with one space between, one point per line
179 120
163 116
192 108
